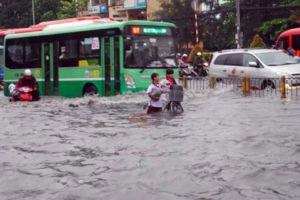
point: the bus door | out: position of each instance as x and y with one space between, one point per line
112 66
50 70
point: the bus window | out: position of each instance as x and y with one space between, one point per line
83 52
89 52
283 43
296 42
23 54
146 49
68 55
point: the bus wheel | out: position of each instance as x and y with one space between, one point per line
90 90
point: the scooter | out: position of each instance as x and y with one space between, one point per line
186 69
25 93
201 69
20 94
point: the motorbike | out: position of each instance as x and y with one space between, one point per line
186 69
201 69
25 93
175 98
21 94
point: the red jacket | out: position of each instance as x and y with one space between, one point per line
29 82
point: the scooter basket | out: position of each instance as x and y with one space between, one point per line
176 93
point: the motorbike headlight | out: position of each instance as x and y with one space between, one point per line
129 81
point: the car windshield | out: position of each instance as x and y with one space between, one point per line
276 58
151 52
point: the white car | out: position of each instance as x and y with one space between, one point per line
265 65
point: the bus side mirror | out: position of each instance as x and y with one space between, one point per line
127 44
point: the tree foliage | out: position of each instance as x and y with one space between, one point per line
15 13
18 13
257 42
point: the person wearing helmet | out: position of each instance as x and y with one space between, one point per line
198 60
28 80
184 58
198 63
14 94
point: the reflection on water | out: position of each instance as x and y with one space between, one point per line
222 147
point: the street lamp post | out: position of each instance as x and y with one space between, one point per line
238 24
195 6
33 13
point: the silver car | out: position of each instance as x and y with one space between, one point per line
265 65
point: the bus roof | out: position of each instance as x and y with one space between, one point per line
19 30
61 21
42 25
89 27
294 31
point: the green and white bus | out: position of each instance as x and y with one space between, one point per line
102 57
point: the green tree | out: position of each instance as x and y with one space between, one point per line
15 13
175 11
257 42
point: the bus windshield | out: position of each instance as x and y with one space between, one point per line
151 52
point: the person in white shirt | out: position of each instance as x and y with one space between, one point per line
154 92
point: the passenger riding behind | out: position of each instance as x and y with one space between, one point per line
184 59
29 81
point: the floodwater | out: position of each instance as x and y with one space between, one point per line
224 146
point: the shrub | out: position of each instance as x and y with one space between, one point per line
257 42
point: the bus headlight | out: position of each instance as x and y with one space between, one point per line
129 81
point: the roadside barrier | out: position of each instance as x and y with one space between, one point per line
282 86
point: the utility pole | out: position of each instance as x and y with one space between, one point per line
238 24
33 14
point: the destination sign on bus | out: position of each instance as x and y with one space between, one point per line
138 30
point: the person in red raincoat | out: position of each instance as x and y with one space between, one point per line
28 80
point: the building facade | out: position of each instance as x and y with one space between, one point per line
122 10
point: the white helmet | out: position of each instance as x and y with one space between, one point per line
184 55
11 87
199 53
27 72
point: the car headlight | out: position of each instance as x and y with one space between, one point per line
283 74
129 81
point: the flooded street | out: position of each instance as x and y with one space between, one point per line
223 146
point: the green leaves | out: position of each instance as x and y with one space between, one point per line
15 13
18 13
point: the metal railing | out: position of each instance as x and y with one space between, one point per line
245 85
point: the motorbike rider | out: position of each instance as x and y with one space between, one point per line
28 80
198 60
198 65
184 59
